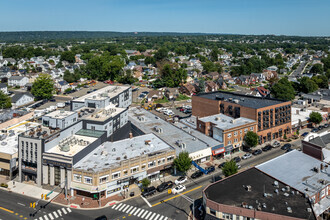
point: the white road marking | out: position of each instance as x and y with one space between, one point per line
157 216
63 209
55 214
165 218
152 216
50 216
45 216
20 204
59 212
128 210
137 211
148 215
133 210
127 207
140 213
144 214
120 204
121 208
161 217
114 206
146 201
69 210
40 218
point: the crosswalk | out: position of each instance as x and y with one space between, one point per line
138 212
56 214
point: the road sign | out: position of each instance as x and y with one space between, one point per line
169 191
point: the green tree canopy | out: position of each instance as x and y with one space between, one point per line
145 182
214 55
43 87
229 168
283 89
315 117
317 68
150 60
5 101
251 139
307 85
127 78
161 54
68 56
183 162
321 81
171 77
71 77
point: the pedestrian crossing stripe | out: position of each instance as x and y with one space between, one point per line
139 212
56 214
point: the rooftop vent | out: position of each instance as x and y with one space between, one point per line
286 194
248 188
309 210
276 191
289 209
288 188
275 183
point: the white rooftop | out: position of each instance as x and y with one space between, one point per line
60 114
297 114
10 144
225 122
74 144
110 154
110 91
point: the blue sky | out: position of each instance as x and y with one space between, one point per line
287 17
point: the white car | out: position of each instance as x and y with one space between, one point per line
246 156
180 180
276 144
178 189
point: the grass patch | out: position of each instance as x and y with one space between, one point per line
182 97
160 101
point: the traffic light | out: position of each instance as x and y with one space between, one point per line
32 204
42 196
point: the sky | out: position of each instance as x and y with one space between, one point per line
279 17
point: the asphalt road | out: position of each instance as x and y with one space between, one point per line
297 72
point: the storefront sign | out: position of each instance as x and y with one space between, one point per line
218 150
56 163
229 148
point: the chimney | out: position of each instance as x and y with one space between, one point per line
130 135
321 166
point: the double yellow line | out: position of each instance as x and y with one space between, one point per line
176 196
7 210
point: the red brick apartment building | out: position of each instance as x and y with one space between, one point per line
273 116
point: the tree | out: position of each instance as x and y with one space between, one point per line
251 139
149 60
68 56
145 182
321 81
171 77
283 89
317 68
209 66
161 54
214 54
183 162
5 101
307 85
315 117
127 78
43 87
229 168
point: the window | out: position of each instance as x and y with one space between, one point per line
229 142
251 129
246 130
235 133
227 216
77 178
161 161
104 179
151 164
229 135
235 140
241 131
88 180
134 169
170 158
212 211
116 175
125 172
93 127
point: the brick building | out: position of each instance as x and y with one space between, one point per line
273 116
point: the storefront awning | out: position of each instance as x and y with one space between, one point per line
218 150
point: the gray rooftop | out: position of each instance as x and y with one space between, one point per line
225 122
174 136
322 141
243 100
110 154
296 170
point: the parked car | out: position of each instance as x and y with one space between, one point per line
52 100
326 125
267 148
288 150
178 189
149 191
221 165
246 156
276 144
315 130
238 166
305 134
286 146
210 169
257 152
180 180
197 174
247 149
164 186
236 159
216 178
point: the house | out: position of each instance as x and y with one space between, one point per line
259 77
3 88
211 86
272 68
171 93
188 89
269 74
154 95
213 75
5 74
243 80
221 84
225 76
62 85
261 92
21 99
18 81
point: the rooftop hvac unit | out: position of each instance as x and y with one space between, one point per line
289 209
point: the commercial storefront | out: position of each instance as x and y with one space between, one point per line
218 151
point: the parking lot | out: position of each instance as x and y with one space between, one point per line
175 112
83 91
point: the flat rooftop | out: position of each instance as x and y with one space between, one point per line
104 114
9 144
103 93
225 122
233 191
171 134
243 100
72 145
296 169
297 114
60 114
110 154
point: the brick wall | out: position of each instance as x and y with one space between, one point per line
312 150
